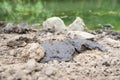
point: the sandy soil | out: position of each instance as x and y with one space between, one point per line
17 64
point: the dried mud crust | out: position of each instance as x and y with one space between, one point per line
88 65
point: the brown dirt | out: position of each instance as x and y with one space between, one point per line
20 62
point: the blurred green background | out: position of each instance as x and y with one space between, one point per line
93 12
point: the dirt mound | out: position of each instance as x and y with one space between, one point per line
21 56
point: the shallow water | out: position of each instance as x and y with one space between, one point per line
93 12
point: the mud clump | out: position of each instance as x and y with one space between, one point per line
25 39
64 50
15 44
57 50
2 24
20 42
20 28
25 49
82 44
112 34
115 35
30 51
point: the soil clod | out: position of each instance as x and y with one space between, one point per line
57 50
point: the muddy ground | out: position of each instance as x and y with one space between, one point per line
18 62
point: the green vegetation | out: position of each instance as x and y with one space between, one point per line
93 12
